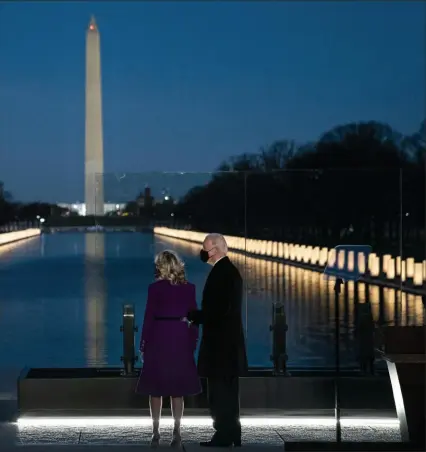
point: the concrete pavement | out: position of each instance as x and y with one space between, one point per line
91 448
13 435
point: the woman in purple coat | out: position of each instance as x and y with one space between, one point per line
168 343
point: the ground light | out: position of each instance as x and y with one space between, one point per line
201 421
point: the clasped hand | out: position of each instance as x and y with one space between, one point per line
191 316
185 319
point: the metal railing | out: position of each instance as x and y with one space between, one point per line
278 329
364 334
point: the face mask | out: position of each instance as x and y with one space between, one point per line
204 255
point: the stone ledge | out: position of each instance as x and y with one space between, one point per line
11 237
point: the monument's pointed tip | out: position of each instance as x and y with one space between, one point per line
92 23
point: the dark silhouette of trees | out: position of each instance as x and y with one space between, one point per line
29 212
417 142
364 176
6 206
25 212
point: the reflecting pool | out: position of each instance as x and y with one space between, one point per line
61 298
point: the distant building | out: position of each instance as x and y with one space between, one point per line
80 208
145 199
166 197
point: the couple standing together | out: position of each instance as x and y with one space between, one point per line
170 335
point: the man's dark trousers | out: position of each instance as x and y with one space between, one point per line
224 401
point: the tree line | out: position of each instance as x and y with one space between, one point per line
362 182
12 211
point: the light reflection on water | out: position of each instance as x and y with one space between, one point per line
61 298
95 295
309 301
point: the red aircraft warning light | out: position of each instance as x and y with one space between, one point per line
92 24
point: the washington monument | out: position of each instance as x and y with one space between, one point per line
94 149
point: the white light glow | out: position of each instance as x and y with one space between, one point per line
14 245
300 253
399 400
9 237
200 421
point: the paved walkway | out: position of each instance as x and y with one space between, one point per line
186 448
123 449
34 438
91 448
15 435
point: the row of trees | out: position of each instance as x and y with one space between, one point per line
363 179
5 205
12 211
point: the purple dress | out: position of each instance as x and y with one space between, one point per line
168 346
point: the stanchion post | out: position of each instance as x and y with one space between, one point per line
337 289
342 274
365 334
279 329
128 329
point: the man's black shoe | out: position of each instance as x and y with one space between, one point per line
216 444
237 443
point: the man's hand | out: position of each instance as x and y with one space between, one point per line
195 316
191 316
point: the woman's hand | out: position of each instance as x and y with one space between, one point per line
185 319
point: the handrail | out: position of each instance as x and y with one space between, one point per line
402 358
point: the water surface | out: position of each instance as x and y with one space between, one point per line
61 298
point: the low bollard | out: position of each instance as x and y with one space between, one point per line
341 274
365 335
128 329
337 289
279 339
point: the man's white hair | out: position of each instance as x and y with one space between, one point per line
218 240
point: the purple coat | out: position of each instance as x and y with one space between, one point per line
168 345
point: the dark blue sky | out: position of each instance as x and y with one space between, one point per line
185 85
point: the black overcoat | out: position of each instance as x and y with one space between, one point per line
222 349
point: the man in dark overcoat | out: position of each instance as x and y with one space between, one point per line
222 357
